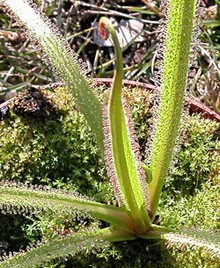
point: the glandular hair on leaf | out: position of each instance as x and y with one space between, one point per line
159 68
136 153
109 157
17 198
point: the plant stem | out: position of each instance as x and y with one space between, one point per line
176 60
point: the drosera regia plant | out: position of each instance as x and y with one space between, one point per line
137 186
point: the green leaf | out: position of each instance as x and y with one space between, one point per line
209 240
121 148
179 26
64 61
20 199
69 246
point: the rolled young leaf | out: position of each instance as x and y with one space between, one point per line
121 149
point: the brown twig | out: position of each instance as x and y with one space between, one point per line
194 105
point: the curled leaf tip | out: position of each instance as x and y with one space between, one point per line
103 30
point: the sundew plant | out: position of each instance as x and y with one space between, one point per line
137 186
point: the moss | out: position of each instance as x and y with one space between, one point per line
198 159
59 151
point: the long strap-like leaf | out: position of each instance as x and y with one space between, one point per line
63 60
208 240
68 246
178 32
14 199
124 166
